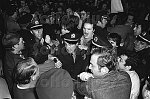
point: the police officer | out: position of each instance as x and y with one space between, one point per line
142 48
73 59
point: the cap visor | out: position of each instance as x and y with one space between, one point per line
71 42
36 27
140 38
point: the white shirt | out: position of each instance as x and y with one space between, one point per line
4 92
116 6
135 89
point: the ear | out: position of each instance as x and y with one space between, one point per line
104 70
121 44
33 77
77 44
31 31
93 30
15 46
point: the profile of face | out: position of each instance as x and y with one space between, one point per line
137 30
69 11
102 23
15 15
95 68
113 43
38 33
88 30
121 62
130 19
104 6
139 45
113 21
83 15
23 3
70 47
64 30
45 7
20 45
146 91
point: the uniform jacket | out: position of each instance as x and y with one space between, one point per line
143 62
10 62
74 67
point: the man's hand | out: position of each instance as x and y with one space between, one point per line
84 76
58 63
47 39
83 47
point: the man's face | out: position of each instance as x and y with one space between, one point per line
38 33
102 23
137 30
20 45
23 3
121 62
88 30
64 30
113 43
94 66
70 47
83 14
130 19
104 6
69 11
139 45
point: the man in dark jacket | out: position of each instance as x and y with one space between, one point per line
73 59
14 45
142 48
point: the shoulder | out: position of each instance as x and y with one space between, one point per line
122 75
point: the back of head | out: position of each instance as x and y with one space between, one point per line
106 59
113 85
71 23
24 70
55 84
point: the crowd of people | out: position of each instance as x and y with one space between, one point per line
74 50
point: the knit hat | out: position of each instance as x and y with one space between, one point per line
55 84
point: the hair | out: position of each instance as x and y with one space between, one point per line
10 39
24 70
131 60
121 18
144 25
115 37
130 14
11 10
108 59
70 23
